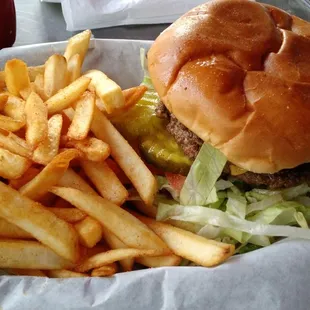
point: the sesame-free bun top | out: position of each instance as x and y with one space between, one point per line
237 74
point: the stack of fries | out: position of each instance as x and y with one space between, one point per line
65 172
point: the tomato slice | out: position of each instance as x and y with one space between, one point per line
175 180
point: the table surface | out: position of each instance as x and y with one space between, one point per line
39 22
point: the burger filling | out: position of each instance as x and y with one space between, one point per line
191 144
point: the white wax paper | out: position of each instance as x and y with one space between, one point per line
276 277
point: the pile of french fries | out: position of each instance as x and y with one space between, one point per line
65 173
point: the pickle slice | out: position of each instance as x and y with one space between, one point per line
158 147
162 151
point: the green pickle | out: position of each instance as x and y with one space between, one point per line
157 146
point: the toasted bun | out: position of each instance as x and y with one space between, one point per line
237 74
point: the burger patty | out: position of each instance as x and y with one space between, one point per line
191 143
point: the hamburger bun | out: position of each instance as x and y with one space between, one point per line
237 74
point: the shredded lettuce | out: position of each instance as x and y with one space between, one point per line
203 215
199 187
164 184
264 203
236 205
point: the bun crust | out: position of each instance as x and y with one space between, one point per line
237 74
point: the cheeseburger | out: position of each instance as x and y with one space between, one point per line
232 80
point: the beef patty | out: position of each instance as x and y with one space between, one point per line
191 143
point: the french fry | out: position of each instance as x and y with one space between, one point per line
35 219
15 108
120 222
34 71
25 93
29 255
16 76
114 243
100 105
195 248
118 171
70 215
89 231
63 273
11 231
61 203
111 256
104 271
66 123
3 99
26 272
48 148
107 90
12 166
38 86
73 180
83 115
10 124
14 144
150 211
67 96
49 176
126 157
74 67
78 44
25 178
105 180
55 74
160 261
131 96
93 149
36 120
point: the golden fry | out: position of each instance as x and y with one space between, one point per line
140 176
36 119
67 96
105 180
49 176
15 108
9 230
38 87
10 124
63 273
48 148
55 74
83 116
104 271
25 178
74 67
70 215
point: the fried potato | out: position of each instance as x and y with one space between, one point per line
78 44
126 157
202 251
73 180
55 74
61 203
105 181
16 76
160 261
107 90
3 99
63 273
104 271
26 272
15 108
49 147
38 87
74 67
36 120
131 96
89 231
34 71
14 144
67 96
29 255
10 124
9 230
111 256
12 166
115 243
93 149
120 222
150 211
118 171
49 176
83 116
25 178
70 215
37 220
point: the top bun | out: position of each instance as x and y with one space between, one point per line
237 74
